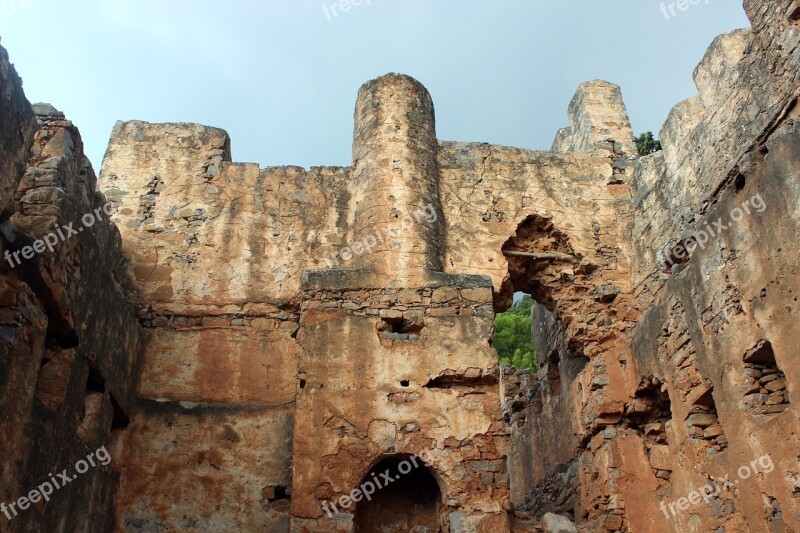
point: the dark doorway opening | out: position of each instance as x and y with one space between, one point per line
410 503
544 268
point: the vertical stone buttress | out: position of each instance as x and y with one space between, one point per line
383 339
397 178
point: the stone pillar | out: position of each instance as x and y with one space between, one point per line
597 118
396 175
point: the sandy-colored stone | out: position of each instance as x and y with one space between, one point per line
253 345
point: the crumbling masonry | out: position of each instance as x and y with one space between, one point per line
242 383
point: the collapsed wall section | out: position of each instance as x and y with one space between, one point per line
696 401
550 224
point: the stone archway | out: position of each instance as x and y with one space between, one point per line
540 257
583 309
412 502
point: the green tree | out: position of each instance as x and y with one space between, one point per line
647 144
512 335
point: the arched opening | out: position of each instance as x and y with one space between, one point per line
543 265
539 258
410 502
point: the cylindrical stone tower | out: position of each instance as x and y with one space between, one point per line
397 178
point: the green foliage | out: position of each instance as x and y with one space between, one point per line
647 144
512 335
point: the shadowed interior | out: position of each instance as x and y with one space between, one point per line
410 503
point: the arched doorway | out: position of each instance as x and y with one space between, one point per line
411 502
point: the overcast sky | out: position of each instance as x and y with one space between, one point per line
281 76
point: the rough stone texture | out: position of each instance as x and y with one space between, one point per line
354 410
299 329
183 208
592 435
216 253
747 85
711 318
252 447
16 135
598 119
70 344
553 523
695 397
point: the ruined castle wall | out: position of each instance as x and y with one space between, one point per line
579 209
70 346
226 337
488 191
598 119
544 439
717 327
222 354
218 250
707 319
747 83
688 402
176 186
398 361
574 204
251 324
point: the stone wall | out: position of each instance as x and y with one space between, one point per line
253 343
695 400
70 344
217 250
718 317
431 387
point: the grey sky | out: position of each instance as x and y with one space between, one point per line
282 78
